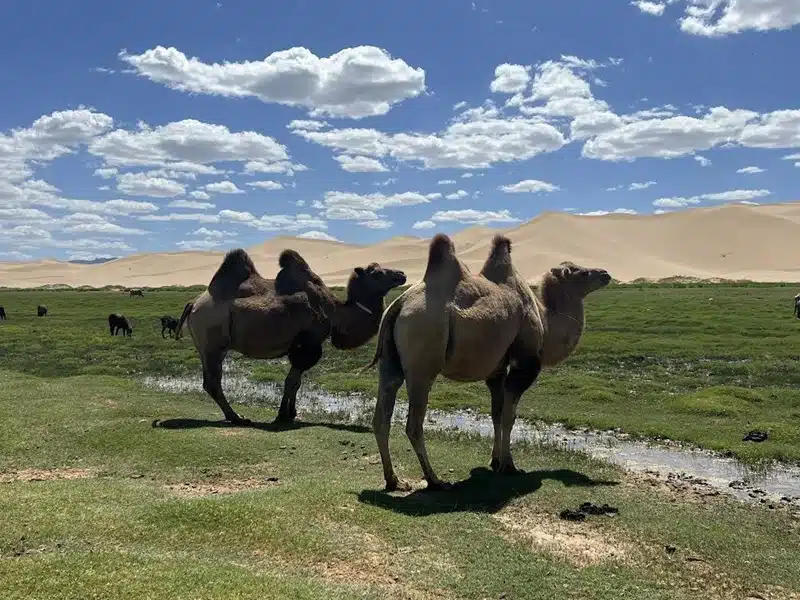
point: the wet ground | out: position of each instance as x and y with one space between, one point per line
678 466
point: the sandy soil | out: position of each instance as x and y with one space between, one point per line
733 241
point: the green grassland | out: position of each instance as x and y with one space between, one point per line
699 364
97 502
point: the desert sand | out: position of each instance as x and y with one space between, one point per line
733 241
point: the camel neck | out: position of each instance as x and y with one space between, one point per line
563 331
356 323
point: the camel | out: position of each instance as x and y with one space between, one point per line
489 327
137 293
117 322
291 315
797 306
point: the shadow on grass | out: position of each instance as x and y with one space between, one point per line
482 492
263 426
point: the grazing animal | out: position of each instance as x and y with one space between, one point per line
291 315
41 310
169 324
137 293
488 327
2 314
116 322
797 306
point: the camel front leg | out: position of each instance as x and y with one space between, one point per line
303 355
521 376
212 384
496 385
390 378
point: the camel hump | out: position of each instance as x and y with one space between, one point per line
291 258
236 268
498 267
440 250
294 273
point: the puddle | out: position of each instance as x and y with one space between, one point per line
753 483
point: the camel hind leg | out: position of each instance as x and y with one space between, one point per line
418 390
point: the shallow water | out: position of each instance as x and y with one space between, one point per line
719 472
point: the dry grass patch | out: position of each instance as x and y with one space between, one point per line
46 474
224 486
580 544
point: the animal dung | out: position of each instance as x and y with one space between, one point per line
755 436
587 508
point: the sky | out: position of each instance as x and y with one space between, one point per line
197 125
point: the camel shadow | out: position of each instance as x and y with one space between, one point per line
482 492
186 423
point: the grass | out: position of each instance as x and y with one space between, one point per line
701 364
308 519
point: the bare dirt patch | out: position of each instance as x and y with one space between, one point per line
46 474
581 544
224 486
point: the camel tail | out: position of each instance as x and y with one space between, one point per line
385 331
184 316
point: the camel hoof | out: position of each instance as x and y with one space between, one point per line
284 419
508 469
397 485
237 420
439 486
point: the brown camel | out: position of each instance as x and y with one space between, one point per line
292 315
490 327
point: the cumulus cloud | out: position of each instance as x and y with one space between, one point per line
650 8
266 185
223 187
193 204
528 186
354 82
199 195
423 225
185 142
318 235
729 196
265 222
141 184
281 167
510 79
457 195
718 18
349 206
360 164
473 217
704 162
750 170
376 224
641 185
616 211
446 182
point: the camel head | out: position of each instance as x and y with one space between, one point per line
576 281
373 282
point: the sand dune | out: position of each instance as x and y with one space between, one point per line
733 241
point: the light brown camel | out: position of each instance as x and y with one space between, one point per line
466 327
292 315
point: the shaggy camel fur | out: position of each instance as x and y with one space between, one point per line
290 316
490 327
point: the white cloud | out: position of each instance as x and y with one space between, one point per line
202 244
318 235
792 156
199 195
457 195
193 204
140 184
423 225
103 228
280 167
473 217
651 8
348 206
262 223
307 124
718 18
354 82
729 196
213 233
15 255
510 79
223 187
266 185
530 186
616 211
446 182
106 173
704 162
182 142
376 224
643 185
360 164
750 170
467 175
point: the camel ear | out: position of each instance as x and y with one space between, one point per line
359 271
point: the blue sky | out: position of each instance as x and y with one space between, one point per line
208 125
